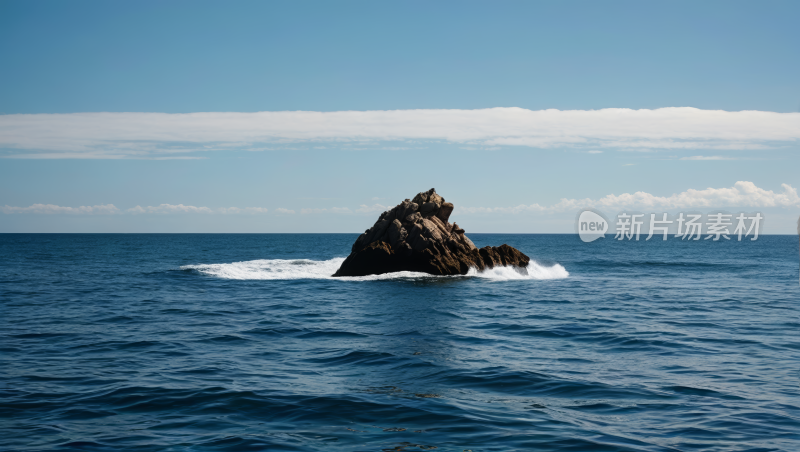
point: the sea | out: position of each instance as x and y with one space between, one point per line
244 342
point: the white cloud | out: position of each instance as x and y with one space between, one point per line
363 208
110 209
54 209
709 157
136 210
742 194
160 135
244 210
328 210
518 209
170 208
595 152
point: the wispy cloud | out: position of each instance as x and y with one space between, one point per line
328 210
106 209
707 157
110 209
238 210
363 208
163 135
742 194
170 208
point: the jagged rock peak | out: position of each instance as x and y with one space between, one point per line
416 236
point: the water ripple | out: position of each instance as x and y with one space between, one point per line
244 342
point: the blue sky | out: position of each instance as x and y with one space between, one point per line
434 66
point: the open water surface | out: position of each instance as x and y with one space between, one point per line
237 342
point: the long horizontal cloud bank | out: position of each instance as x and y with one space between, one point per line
111 209
742 194
163 135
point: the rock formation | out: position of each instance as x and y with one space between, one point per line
416 236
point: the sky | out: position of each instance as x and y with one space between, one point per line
242 116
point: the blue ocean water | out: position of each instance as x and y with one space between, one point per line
237 342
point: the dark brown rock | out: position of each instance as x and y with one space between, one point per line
445 211
416 236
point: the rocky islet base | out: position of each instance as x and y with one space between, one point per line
416 236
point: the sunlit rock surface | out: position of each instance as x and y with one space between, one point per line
416 236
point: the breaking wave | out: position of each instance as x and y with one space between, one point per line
282 269
534 271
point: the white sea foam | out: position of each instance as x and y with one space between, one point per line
533 271
308 269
